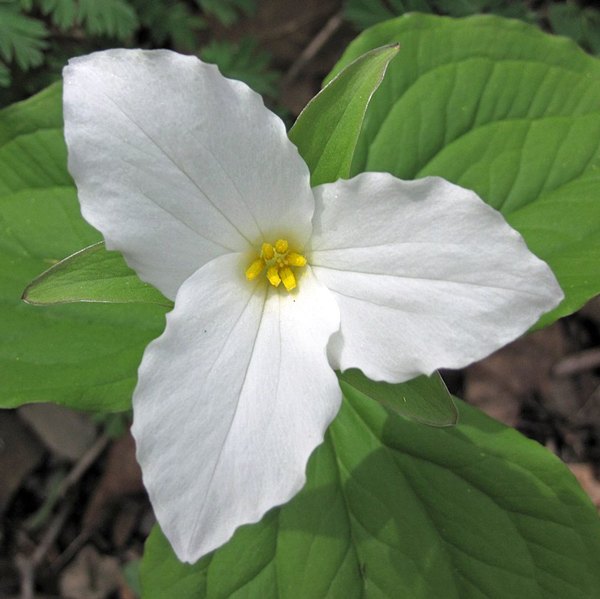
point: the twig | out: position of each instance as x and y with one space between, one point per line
332 25
28 565
580 362
72 548
84 463
292 26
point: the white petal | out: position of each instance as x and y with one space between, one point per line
425 273
231 402
175 164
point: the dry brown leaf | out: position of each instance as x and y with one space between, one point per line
90 576
590 484
66 433
499 384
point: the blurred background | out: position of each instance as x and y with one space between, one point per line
74 512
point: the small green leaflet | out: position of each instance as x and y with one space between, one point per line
92 275
396 510
327 130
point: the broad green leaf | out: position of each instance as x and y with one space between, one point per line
424 399
327 130
82 355
396 510
499 107
92 275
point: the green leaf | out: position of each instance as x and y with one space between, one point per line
591 29
425 399
393 509
170 22
228 11
22 38
327 130
511 113
566 19
365 13
82 355
4 75
92 275
114 18
244 61
64 12
460 8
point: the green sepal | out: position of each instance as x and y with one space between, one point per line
93 274
327 130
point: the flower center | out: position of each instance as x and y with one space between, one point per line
278 261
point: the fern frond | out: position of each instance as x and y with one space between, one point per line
243 61
63 12
170 21
22 38
113 18
228 11
365 13
4 75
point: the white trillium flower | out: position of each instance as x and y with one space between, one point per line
275 284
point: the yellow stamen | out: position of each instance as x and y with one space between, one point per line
281 246
273 276
267 251
294 259
288 278
255 269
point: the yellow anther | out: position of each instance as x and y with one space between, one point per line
294 259
273 276
267 251
281 246
277 259
255 269
288 278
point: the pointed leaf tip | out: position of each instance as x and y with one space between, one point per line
327 130
92 274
